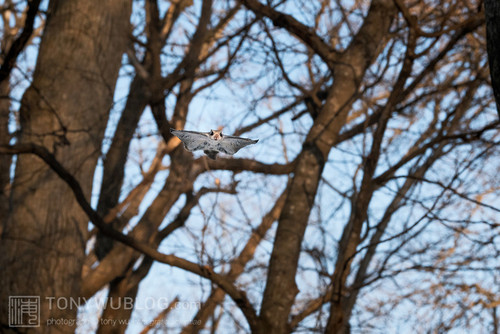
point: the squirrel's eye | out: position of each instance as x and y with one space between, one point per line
211 133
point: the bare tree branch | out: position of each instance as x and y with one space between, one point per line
9 60
238 296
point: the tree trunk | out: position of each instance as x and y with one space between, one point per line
114 163
121 297
492 13
5 160
66 110
281 289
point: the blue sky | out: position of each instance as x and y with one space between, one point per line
221 223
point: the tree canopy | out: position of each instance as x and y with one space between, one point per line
369 204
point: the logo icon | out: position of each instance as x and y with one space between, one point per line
24 311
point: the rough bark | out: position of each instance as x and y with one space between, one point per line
122 290
65 110
349 109
5 160
11 47
492 14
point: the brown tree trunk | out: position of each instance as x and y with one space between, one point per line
349 70
237 268
114 163
65 109
5 160
121 297
338 321
492 14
